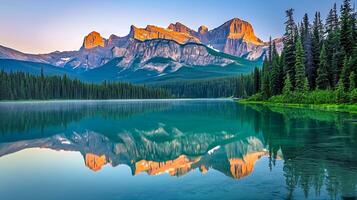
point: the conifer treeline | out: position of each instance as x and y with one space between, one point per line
240 86
316 57
19 85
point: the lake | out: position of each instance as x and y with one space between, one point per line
174 149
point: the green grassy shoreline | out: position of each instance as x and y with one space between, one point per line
350 108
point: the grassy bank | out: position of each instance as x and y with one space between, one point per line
327 100
350 108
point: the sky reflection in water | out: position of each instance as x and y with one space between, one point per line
137 149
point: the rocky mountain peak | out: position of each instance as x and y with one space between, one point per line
92 40
179 27
155 32
240 29
202 29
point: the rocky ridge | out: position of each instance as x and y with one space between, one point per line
178 44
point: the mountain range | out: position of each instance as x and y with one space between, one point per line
152 54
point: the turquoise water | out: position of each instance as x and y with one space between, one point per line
174 149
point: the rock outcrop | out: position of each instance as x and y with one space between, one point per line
187 54
154 32
93 39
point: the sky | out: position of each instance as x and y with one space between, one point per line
42 26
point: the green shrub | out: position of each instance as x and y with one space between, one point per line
314 97
353 96
256 97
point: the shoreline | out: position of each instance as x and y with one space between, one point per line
346 108
110 100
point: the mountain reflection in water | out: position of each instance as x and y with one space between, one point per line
177 137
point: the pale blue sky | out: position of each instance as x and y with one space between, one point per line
41 26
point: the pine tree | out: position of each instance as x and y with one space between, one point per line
346 73
300 67
322 80
256 80
352 81
307 44
346 36
289 45
354 25
276 73
306 86
317 39
332 20
333 47
340 92
266 92
270 53
353 64
288 87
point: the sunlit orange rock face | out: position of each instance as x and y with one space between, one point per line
239 29
154 32
178 27
92 40
95 162
241 167
177 167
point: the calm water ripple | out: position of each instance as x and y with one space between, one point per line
174 149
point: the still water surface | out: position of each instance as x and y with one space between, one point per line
174 149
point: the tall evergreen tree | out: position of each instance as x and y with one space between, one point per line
333 49
256 80
317 39
345 74
354 54
289 45
354 24
340 92
346 36
276 83
266 92
288 87
270 53
332 20
300 78
322 80
311 70
352 81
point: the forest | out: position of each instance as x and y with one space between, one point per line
237 86
21 86
318 63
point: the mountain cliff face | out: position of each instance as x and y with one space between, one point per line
235 37
159 50
154 32
92 40
175 54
